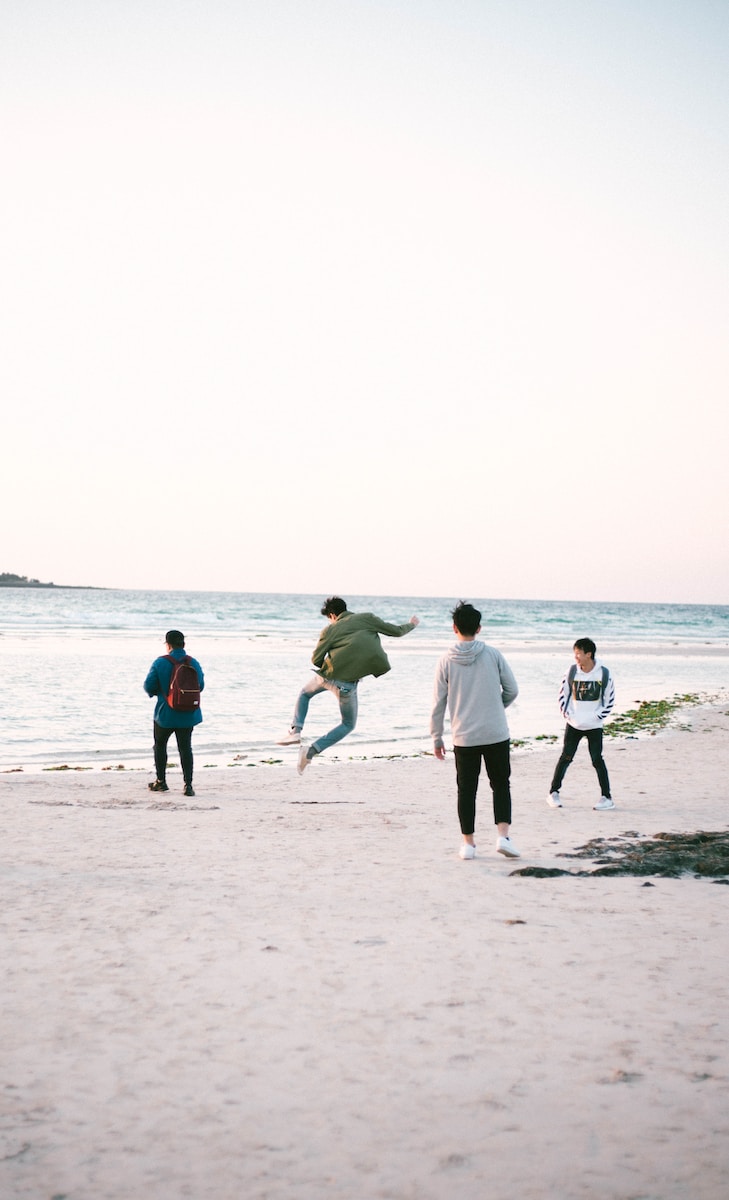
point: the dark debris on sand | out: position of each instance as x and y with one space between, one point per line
704 855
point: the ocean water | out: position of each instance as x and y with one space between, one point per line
74 661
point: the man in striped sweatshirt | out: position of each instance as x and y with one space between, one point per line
586 697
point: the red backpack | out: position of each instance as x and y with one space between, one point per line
184 693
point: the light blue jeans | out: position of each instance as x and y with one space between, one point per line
346 694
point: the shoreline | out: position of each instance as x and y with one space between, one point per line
271 754
93 712
703 724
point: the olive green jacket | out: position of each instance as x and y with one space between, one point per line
350 648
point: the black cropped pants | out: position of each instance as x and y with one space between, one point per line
498 768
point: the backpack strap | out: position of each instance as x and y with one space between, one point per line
605 677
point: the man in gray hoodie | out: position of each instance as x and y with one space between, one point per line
477 684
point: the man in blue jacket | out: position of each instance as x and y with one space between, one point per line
167 720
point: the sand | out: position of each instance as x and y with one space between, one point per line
293 987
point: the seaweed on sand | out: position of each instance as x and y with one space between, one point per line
703 854
651 715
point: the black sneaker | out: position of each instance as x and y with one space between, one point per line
187 790
159 785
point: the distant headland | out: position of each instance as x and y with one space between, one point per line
22 581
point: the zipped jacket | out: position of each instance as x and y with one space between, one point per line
350 648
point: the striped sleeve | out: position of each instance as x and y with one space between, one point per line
564 694
608 700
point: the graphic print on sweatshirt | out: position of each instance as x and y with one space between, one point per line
587 689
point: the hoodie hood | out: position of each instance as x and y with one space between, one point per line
466 653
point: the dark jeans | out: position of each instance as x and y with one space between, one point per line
572 739
498 769
184 745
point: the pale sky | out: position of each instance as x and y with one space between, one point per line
425 298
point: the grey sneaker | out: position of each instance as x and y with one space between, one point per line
292 738
553 800
504 845
303 759
603 803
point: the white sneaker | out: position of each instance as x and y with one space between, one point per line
504 845
303 761
293 737
553 800
603 803
467 851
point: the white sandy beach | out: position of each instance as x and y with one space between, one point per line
292 988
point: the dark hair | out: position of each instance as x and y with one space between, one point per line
333 607
586 645
175 639
466 619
